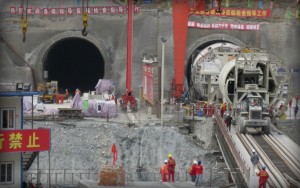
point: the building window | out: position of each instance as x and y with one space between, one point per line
7 118
6 172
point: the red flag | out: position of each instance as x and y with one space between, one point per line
114 151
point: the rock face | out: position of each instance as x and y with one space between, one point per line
86 145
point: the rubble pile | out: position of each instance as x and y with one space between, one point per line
112 176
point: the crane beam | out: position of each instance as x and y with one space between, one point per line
180 10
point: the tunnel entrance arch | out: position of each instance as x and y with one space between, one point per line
202 43
75 63
194 52
38 56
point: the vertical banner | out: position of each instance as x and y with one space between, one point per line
249 3
227 3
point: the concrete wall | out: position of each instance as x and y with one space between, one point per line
108 33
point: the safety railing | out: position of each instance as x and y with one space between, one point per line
245 172
212 177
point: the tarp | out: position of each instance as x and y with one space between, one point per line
99 108
104 85
77 102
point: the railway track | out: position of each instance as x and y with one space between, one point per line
282 165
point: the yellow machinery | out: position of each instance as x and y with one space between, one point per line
49 91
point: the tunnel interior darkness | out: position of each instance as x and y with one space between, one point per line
74 63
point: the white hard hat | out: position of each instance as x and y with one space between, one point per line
195 162
166 161
253 151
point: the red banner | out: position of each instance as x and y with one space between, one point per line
148 71
24 140
234 12
94 10
224 26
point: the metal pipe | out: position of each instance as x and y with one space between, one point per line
284 157
283 149
49 182
162 80
31 111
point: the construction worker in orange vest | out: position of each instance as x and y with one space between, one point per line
263 177
192 170
171 168
164 171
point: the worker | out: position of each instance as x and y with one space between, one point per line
296 111
254 160
223 109
67 95
77 91
164 171
171 167
199 174
112 98
228 120
192 171
281 107
254 103
263 177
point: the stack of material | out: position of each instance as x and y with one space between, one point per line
112 176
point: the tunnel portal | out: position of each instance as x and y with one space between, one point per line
74 63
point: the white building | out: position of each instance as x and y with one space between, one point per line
13 165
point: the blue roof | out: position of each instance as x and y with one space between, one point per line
17 93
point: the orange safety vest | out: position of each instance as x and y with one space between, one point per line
164 169
171 164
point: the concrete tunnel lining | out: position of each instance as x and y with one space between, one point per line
39 54
203 42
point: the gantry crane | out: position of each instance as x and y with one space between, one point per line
128 96
181 12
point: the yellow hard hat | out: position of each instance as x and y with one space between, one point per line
170 155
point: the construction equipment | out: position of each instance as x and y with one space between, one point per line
85 17
49 91
127 97
253 115
224 72
24 19
181 11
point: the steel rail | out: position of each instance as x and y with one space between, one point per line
272 181
286 152
285 158
268 162
289 179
